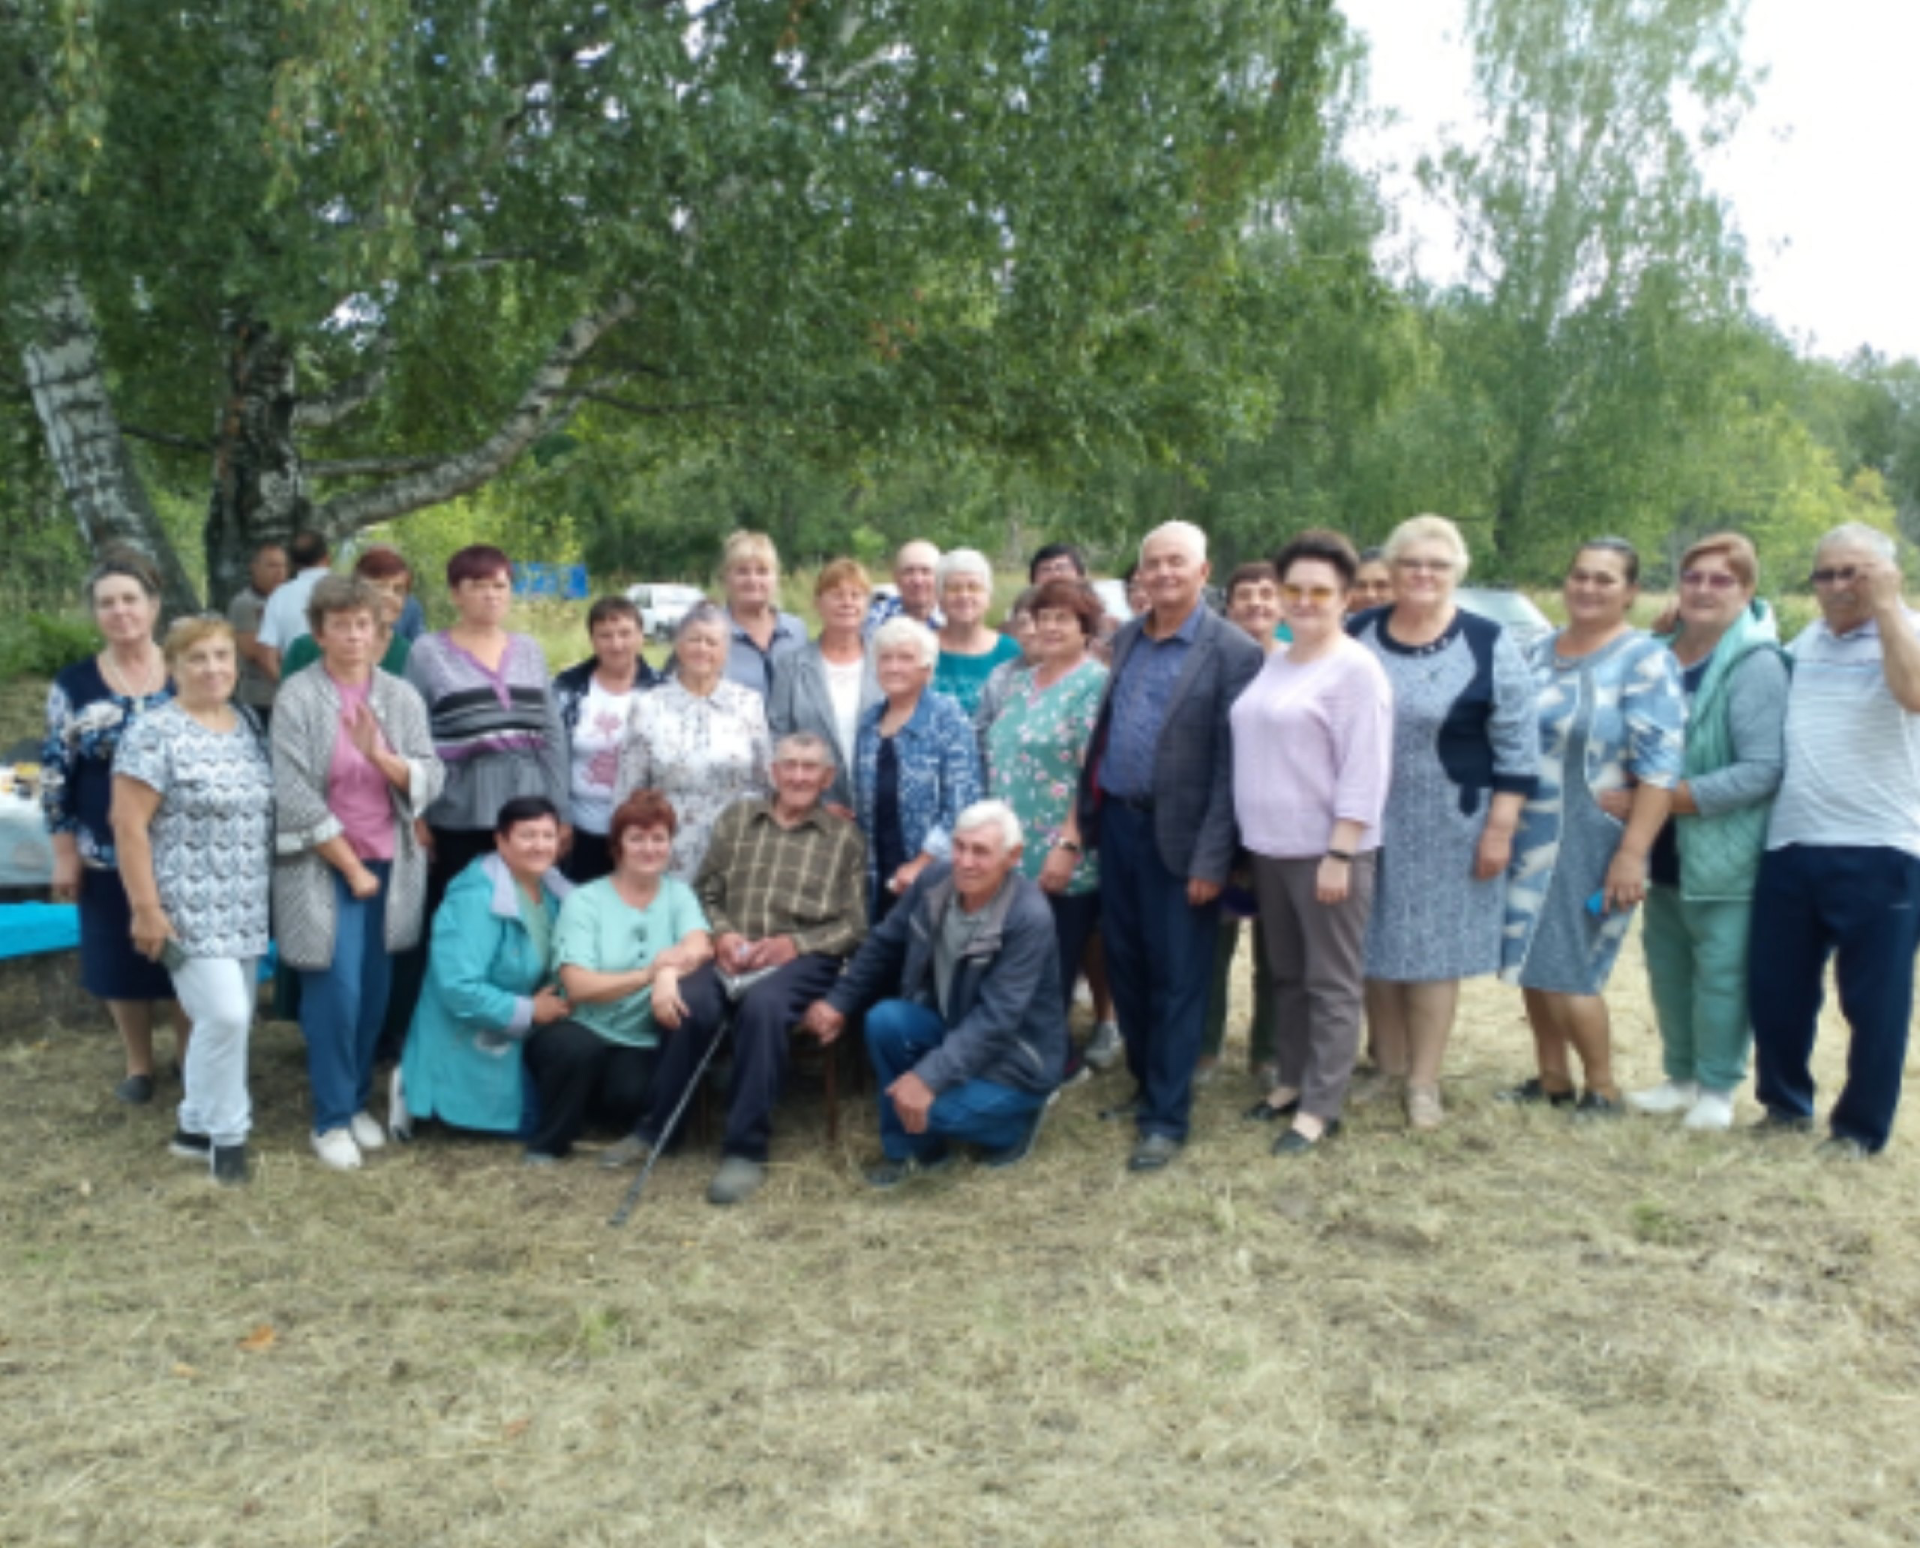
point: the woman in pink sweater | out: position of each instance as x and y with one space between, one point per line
1312 753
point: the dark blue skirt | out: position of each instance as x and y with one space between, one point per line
110 969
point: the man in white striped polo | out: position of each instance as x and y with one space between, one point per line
1841 876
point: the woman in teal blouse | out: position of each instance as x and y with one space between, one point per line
969 650
490 982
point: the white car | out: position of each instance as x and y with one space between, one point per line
662 606
1513 610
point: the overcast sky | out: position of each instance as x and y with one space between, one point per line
1820 177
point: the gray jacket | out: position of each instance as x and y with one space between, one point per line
800 702
1006 1017
306 719
1193 760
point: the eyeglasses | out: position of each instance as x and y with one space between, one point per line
1319 596
1712 580
1844 576
1423 566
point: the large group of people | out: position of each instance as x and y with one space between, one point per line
558 895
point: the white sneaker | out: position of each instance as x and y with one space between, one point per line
399 1116
336 1149
1104 1050
1665 1099
1714 1110
367 1134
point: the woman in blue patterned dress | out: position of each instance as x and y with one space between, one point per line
193 825
1612 713
89 708
1465 746
916 765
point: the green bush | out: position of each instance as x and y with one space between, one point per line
40 644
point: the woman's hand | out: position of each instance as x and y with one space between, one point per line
363 730
1333 881
1617 804
151 931
423 836
1058 869
669 1009
1626 883
65 886
549 1006
1493 854
908 874
362 883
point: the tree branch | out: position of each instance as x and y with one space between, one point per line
192 443
546 404
352 395
372 467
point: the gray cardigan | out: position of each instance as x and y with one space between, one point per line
306 719
800 702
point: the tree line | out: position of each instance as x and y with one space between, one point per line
606 282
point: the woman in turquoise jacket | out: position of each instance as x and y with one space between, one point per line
489 980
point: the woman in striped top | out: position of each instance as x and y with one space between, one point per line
495 724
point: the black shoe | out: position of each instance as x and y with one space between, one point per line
890 1173
1123 1111
230 1168
135 1090
1020 1149
1151 1152
1530 1092
1264 1111
1294 1143
1593 1105
1773 1121
189 1147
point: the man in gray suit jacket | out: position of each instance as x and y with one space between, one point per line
1156 797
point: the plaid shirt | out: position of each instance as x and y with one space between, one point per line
761 879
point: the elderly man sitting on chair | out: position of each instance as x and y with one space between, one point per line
968 1036
783 886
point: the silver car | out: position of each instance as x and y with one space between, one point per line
1513 610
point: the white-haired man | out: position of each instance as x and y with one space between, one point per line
965 1028
1841 875
915 568
1156 799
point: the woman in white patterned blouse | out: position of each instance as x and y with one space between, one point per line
698 739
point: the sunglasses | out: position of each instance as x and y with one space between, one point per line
1318 595
1844 576
1712 580
1424 566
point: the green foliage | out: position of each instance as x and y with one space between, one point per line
40 644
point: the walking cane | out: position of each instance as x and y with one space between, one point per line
627 1204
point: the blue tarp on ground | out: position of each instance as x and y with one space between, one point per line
31 929
568 582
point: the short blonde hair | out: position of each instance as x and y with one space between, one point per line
743 545
901 630
842 572
1428 529
189 632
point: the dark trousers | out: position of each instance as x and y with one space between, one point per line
1860 905
976 1112
763 1022
1159 961
590 858
580 1078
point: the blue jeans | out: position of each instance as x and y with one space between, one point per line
343 1005
978 1112
1861 905
1160 963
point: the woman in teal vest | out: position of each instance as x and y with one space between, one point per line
489 983
1702 869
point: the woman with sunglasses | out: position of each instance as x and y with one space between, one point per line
1704 864
1611 714
1464 754
1312 752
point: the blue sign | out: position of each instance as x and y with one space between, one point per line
561 582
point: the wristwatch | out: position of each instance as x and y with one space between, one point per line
1071 846
1344 856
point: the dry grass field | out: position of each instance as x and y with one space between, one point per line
1514 1331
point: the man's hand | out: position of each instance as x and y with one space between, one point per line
775 951
1879 581
732 952
912 1100
1201 893
823 1021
